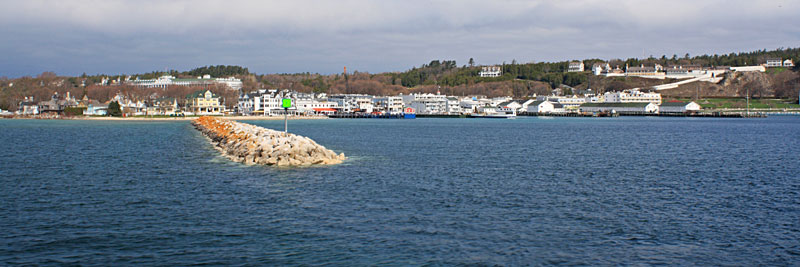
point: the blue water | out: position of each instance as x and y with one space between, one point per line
593 191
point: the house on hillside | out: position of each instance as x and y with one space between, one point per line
491 71
645 71
774 62
575 66
788 63
600 68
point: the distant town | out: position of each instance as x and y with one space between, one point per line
205 99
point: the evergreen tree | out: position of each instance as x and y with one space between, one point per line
114 109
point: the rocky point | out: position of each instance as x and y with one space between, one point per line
250 144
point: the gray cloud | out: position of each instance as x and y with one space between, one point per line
71 37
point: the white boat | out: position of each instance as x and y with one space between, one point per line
494 115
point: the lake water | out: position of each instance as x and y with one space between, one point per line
599 191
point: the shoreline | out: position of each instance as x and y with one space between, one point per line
233 118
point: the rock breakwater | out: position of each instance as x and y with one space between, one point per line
250 144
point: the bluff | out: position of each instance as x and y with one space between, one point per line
250 144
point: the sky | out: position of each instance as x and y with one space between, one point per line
71 37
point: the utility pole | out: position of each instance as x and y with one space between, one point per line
747 97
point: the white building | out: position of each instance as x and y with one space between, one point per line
231 82
427 103
28 107
264 103
96 110
353 102
167 80
571 103
678 107
600 68
525 103
788 63
759 68
774 62
541 106
509 107
453 105
684 71
645 71
575 66
497 100
388 104
632 96
316 107
470 105
619 107
491 71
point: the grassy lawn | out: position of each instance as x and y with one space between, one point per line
728 103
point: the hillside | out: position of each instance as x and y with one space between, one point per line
779 84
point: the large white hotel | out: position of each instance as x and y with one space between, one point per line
167 80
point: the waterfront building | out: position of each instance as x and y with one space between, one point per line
632 96
244 104
56 104
575 66
571 103
774 62
96 110
559 108
524 104
540 106
678 107
353 102
427 103
28 107
453 105
204 103
260 102
622 108
509 107
592 98
164 106
491 71
133 108
497 100
470 105
388 104
316 106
